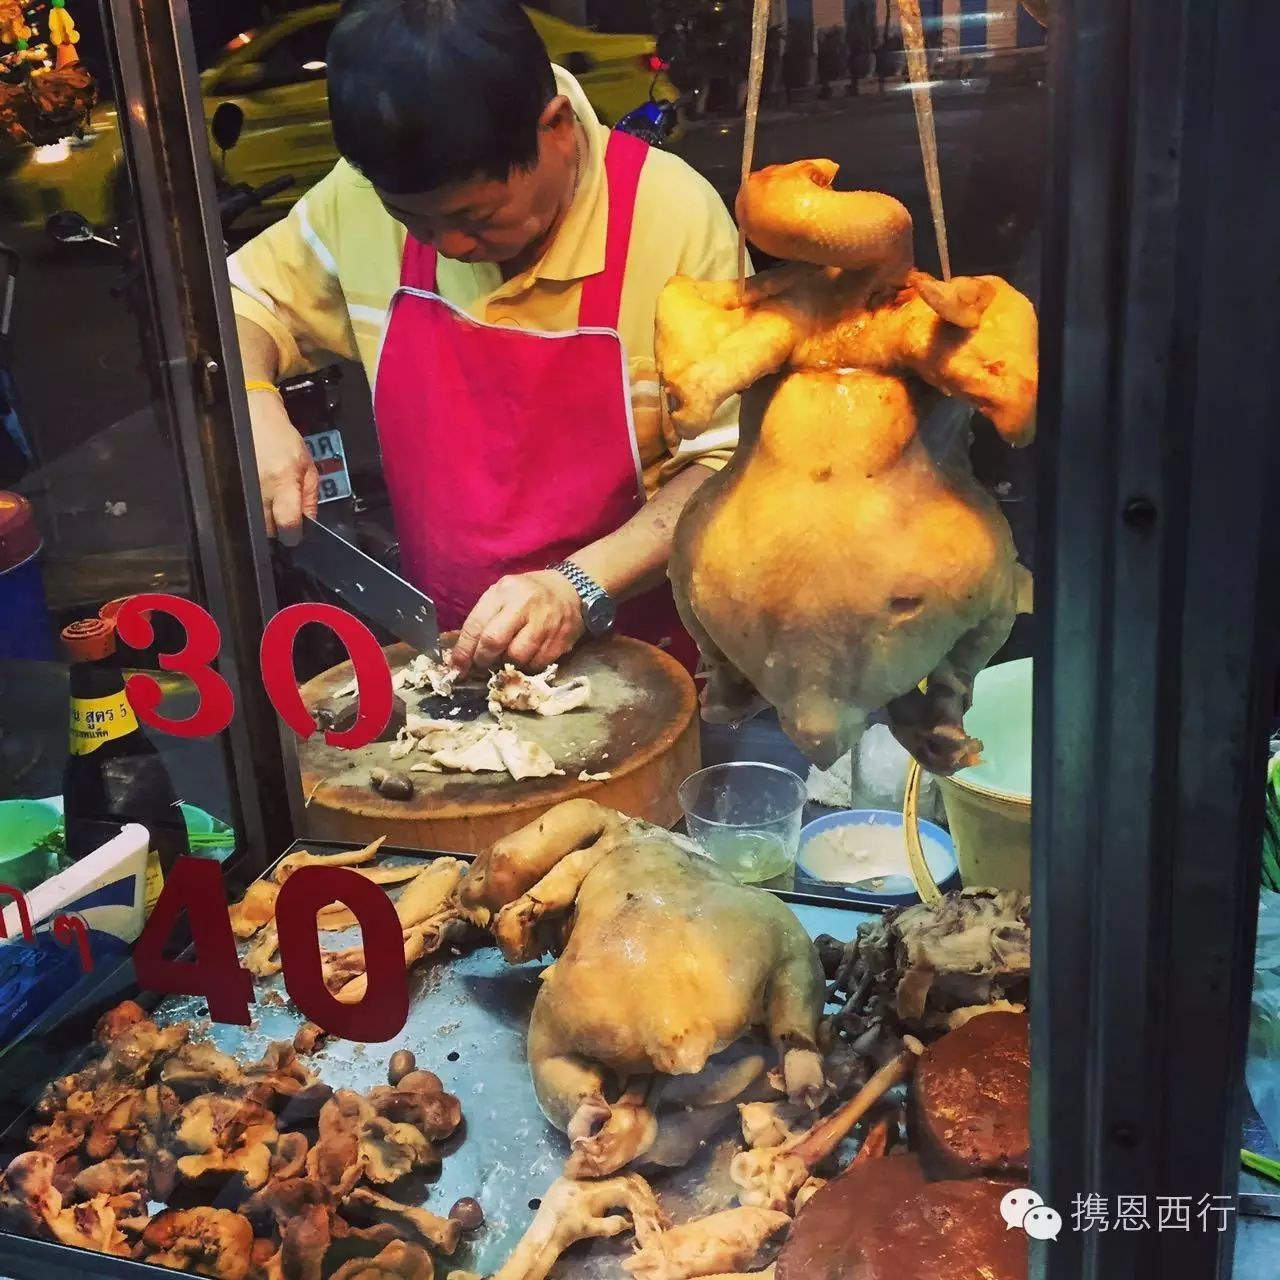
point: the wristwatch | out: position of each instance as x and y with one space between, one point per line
599 609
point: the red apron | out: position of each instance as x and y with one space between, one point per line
508 449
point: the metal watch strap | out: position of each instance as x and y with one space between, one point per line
598 608
586 586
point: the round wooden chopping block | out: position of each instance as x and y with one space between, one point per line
641 727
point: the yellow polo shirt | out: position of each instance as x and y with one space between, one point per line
321 279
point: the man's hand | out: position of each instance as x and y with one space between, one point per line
532 618
286 473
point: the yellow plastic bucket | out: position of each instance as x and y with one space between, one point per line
989 806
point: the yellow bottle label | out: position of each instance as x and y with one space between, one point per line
98 720
154 882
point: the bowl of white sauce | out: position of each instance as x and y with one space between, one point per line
864 851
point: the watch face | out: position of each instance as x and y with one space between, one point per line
599 615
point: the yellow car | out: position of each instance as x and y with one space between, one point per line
275 75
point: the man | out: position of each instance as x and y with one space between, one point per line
494 256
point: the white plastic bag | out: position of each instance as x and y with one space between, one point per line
1262 1069
882 764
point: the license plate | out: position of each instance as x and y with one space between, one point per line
330 458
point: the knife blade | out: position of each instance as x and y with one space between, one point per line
368 587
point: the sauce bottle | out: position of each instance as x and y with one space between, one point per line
114 775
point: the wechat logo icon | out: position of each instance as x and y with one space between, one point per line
1026 1210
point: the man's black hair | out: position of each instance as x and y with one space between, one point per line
425 93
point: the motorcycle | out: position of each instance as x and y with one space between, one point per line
656 121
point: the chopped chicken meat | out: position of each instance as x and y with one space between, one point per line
510 689
480 755
523 759
473 747
430 671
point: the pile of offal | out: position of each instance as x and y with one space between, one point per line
258 1169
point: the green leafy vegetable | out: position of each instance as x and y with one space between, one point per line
54 844
1262 1165
1271 827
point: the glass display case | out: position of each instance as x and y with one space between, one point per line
554 705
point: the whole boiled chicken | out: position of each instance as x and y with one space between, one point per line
846 561
666 968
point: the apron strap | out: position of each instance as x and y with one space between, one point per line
418 265
624 157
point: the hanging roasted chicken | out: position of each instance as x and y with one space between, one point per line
846 560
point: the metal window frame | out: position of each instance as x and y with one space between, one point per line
1158 634
170 168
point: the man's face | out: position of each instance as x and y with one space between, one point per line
491 220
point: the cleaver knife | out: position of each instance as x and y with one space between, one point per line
368 587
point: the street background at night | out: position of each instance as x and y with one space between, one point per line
108 486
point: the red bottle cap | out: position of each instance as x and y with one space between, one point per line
19 536
109 610
89 640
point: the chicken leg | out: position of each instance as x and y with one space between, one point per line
929 722
516 926
720 1242
514 864
605 1139
572 1211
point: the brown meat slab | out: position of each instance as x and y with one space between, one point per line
883 1221
971 1099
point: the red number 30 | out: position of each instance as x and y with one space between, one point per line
373 676
215 703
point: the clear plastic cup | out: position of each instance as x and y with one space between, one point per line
746 816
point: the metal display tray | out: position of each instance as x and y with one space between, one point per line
468 1015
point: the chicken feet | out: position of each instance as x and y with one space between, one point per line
572 1211
772 1176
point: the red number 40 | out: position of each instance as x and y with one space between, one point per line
194 886
215 702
